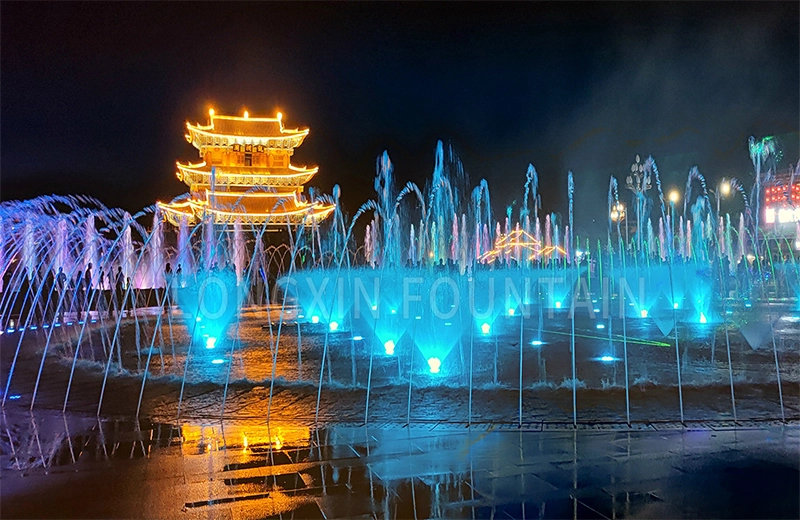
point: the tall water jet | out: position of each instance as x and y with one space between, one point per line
570 193
3 265
91 253
156 250
128 254
62 255
29 250
238 250
184 259
209 243
384 187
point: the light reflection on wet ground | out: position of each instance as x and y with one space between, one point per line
57 466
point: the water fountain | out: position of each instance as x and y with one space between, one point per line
443 311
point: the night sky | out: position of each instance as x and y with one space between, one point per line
94 96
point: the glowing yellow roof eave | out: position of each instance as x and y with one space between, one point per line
204 168
248 119
177 212
203 205
209 130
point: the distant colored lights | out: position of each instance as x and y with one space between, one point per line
434 364
644 313
393 311
217 361
314 319
607 358
703 318
333 326
558 305
486 328
14 397
600 326
510 312
211 342
199 319
537 343
389 347
675 305
357 338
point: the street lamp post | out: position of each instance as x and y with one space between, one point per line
618 215
723 190
674 197
639 182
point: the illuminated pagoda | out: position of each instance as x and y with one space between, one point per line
245 175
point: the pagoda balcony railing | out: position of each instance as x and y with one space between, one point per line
198 177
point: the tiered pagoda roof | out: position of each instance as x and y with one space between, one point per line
245 174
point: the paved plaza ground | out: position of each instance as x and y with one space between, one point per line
80 467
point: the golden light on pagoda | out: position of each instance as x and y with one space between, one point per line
253 178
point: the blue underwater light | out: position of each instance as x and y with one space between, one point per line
211 301
434 364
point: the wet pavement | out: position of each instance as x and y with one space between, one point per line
82 467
